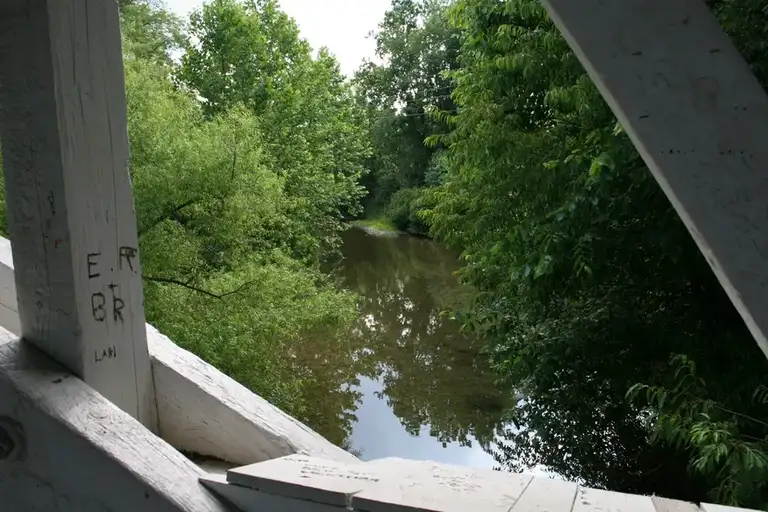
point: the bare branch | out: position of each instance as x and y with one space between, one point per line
167 215
238 289
188 285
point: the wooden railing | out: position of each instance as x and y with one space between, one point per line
68 442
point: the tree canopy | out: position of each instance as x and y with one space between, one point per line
417 47
246 156
587 281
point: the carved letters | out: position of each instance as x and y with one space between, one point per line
128 254
108 305
105 353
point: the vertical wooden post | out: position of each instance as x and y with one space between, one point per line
70 207
698 117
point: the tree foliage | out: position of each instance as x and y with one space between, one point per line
587 281
232 222
417 47
629 365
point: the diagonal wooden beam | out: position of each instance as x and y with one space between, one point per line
70 207
698 117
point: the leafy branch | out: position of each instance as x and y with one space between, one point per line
685 415
190 286
168 215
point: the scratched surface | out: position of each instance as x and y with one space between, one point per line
401 485
70 206
698 117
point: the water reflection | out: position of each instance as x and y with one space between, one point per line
424 391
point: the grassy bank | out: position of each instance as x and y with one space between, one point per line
377 224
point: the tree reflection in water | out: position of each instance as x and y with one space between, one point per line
430 373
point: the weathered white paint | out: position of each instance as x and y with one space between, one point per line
390 484
70 208
249 500
665 505
77 452
698 117
307 479
298 483
546 495
9 309
429 486
201 410
594 500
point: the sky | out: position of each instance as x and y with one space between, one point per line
378 433
340 25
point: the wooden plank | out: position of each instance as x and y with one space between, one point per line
666 505
249 500
70 207
709 507
9 309
698 116
306 478
427 486
203 411
75 451
547 495
595 500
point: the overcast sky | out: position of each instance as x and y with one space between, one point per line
340 25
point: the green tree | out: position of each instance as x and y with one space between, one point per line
250 54
149 31
228 262
417 47
587 279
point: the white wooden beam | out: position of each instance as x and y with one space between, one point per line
70 207
698 117
308 484
66 448
201 410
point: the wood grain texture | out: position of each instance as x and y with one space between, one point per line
70 207
9 308
249 500
80 452
546 495
416 486
665 505
201 410
698 117
595 500
307 479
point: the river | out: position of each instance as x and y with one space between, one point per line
424 390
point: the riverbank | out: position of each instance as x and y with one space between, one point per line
377 227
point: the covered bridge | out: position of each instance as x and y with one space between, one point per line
100 412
